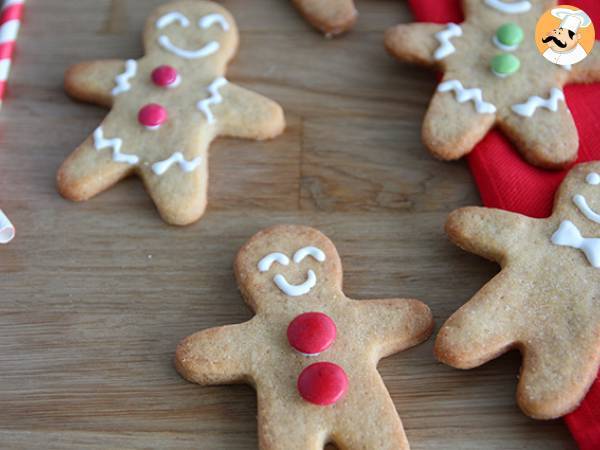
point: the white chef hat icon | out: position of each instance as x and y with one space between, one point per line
572 20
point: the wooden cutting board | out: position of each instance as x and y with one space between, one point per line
95 296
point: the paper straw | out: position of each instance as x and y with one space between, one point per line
7 229
10 22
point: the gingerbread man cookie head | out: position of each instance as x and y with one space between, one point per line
287 262
578 199
189 33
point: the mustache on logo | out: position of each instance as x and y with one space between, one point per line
556 41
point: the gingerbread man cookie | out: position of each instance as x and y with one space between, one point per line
544 301
310 352
331 17
166 108
494 75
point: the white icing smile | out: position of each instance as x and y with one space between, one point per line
205 22
518 7
293 290
207 50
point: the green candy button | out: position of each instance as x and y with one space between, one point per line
505 64
510 34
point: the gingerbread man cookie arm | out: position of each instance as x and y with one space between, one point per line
586 71
393 325
97 164
546 135
331 17
218 355
426 44
246 114
95 81
491 233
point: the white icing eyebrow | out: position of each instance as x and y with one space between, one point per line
315 252
171 17
265 263
210 19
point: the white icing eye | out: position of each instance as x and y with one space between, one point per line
315 252
265 263
210 19
592 178
171 17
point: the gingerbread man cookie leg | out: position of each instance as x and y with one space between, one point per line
94 81
310 352
331 17
542 126
178 184
543 301
278 429
477 332
554 374
379 414
166 109
472 118
97 164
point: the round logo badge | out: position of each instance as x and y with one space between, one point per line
565 35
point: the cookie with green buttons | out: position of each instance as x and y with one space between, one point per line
494 75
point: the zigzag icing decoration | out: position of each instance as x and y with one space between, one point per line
122 80
115 144
446 48
528 108
214 99
161 167
464 95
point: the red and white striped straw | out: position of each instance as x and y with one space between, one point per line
11 14
10 22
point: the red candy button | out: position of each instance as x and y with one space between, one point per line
165 76
152 115
311 333
322 383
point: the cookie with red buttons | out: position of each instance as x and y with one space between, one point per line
331 17
310 351
165 110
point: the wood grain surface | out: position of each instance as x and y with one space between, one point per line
95 296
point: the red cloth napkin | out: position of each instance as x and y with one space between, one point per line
506 181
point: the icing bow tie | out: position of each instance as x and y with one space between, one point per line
568 235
